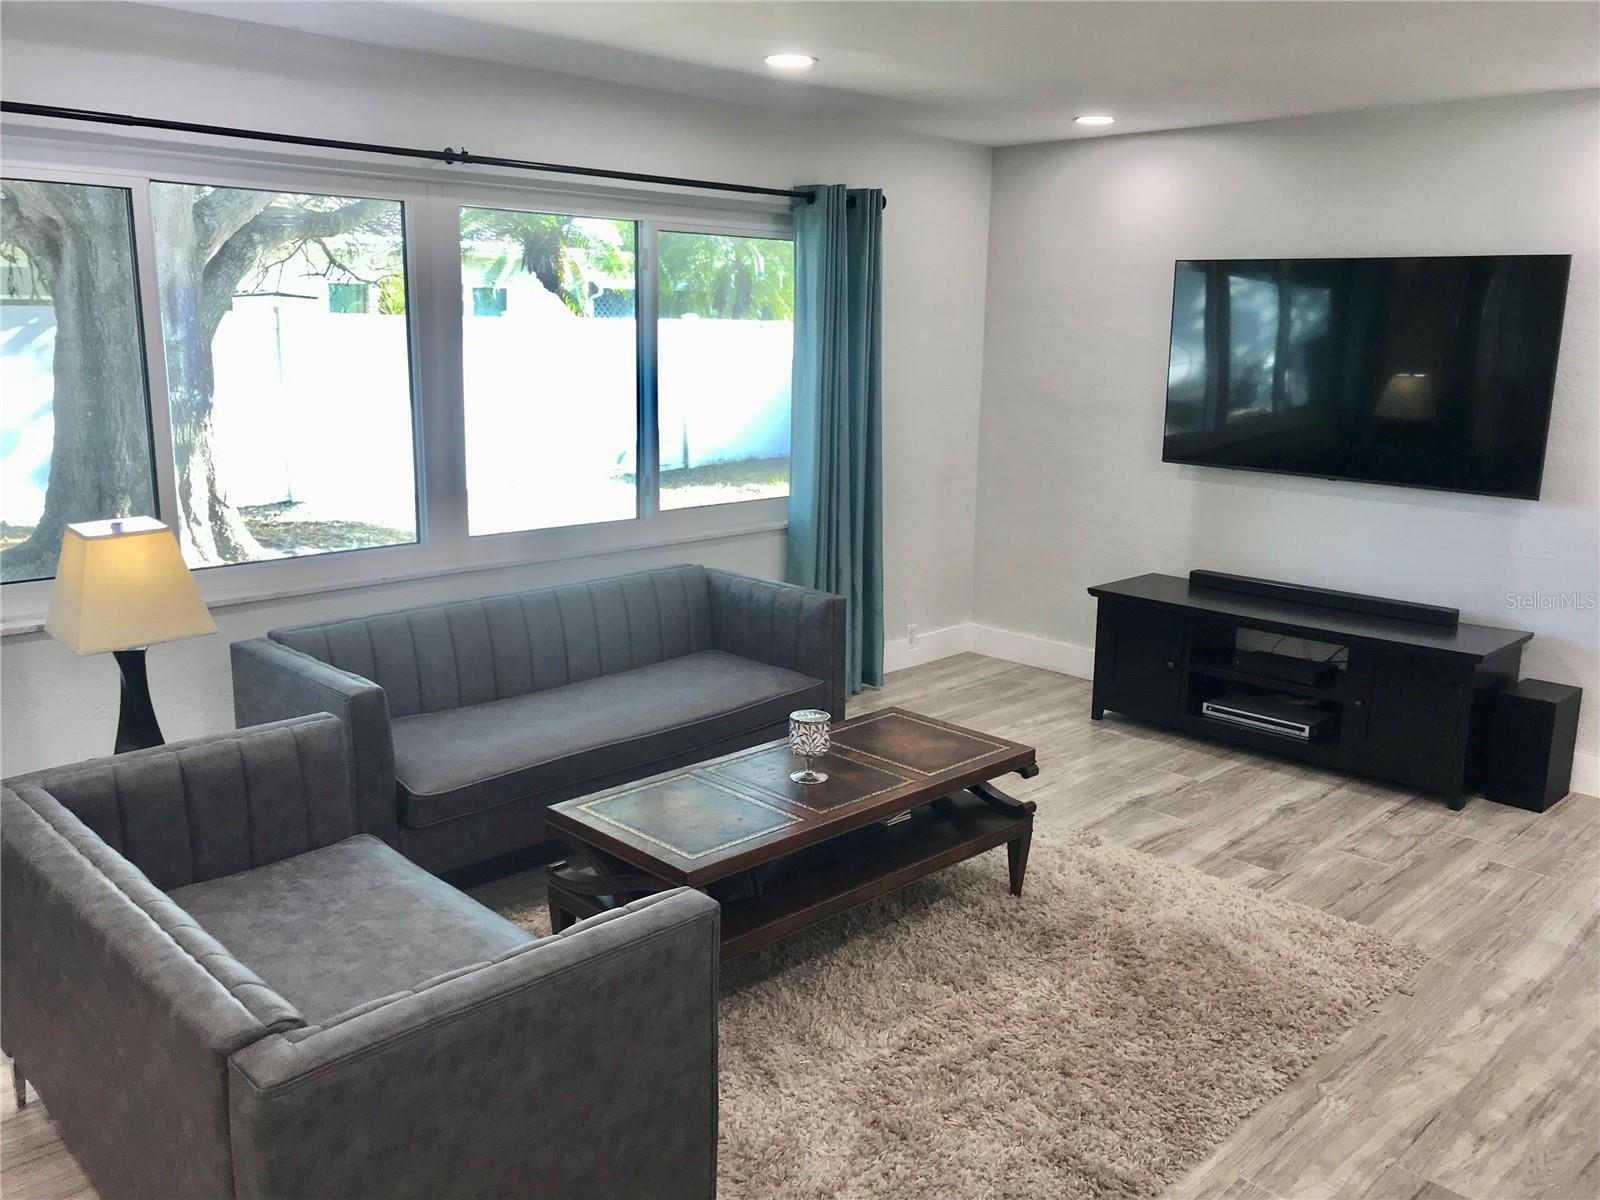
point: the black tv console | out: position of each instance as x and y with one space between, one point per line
1409 701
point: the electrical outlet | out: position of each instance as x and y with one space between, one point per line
911 637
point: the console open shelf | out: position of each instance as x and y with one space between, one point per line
1229 675
1406 701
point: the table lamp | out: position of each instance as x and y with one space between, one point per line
122 586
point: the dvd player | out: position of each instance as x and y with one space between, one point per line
1283 715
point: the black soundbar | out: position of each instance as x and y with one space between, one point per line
1299 593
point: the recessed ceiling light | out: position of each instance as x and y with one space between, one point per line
790 62
1095 119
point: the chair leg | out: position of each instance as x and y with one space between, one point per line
19 1085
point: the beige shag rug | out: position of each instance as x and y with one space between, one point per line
1095 1038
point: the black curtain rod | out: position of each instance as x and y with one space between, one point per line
447 155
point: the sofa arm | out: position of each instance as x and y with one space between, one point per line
272 681
782 624
583 1066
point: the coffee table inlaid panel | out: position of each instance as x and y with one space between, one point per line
920 745
678 815
767 770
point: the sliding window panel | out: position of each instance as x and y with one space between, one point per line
549 369
725 338
74 409
288 368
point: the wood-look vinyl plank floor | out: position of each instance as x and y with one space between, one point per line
1479 1080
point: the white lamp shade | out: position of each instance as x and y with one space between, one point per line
122 584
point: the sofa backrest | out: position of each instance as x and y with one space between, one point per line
446 656
195 810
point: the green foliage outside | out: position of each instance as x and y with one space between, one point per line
552 247
715 277
392 295
727 278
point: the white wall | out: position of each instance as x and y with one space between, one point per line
1083 235
175 65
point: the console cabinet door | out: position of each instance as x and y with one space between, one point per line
1138 660
1413 727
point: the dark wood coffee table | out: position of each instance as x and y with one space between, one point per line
906 795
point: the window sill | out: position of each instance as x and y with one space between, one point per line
229 587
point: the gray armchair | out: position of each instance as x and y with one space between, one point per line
468 720
217 990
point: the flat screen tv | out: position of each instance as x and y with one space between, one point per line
1423 372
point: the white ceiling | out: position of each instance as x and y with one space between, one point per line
1003 72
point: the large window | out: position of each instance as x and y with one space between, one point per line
432 370
283 318
550 353
725 338
549 369
74 422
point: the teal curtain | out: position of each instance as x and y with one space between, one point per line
836 464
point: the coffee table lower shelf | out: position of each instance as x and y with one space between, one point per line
821 881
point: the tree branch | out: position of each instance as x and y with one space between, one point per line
300 224
271 227
221 213
265 269
334 263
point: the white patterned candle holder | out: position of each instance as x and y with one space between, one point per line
809 738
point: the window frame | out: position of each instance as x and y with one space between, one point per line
432 202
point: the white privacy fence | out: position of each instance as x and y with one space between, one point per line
315 407
724 390
27 349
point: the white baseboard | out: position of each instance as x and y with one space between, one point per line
936 643
1071 659
1586 774
1024 648
1034 651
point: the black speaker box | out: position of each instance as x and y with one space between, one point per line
1530 743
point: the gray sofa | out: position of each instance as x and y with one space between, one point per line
219 989
468 720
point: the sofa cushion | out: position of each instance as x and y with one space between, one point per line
346 924
450 764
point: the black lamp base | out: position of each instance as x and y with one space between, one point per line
137 728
